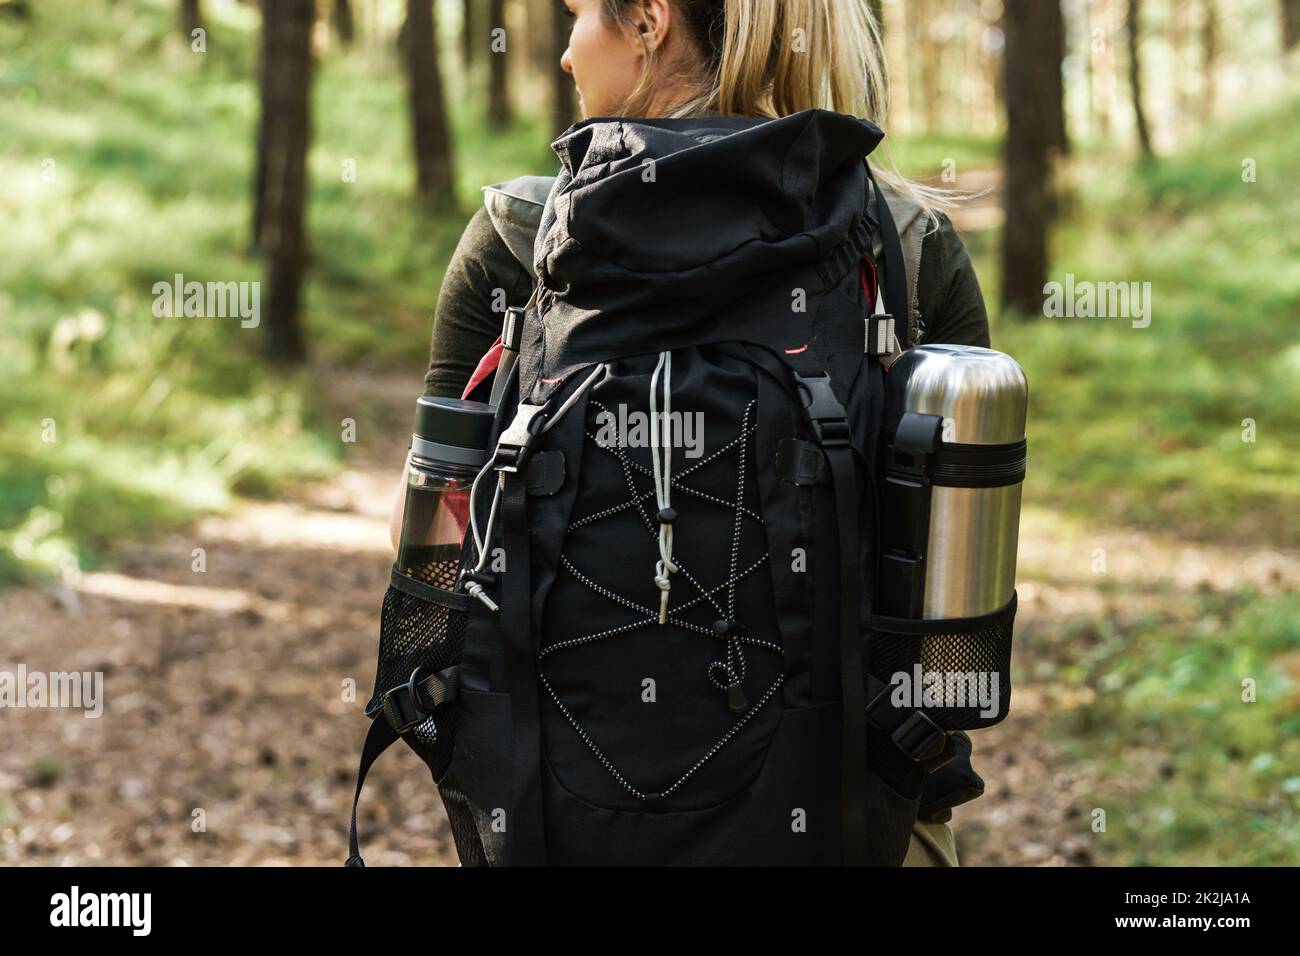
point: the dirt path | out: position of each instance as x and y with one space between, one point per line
227 738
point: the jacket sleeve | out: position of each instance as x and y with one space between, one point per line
481 275
948 291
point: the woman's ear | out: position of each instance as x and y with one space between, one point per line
652 20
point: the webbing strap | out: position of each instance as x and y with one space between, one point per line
525 833
895 284
911 730
829 422
409 704
379 738
853 762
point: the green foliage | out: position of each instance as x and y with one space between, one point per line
927 157
127 159
1196 772
161 419
1146 425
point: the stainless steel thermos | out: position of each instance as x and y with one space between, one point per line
954 462
448 448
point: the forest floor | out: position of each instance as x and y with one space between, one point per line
228 736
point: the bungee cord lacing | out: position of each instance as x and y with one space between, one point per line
727 674
663 478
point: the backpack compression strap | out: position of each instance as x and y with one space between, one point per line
829 422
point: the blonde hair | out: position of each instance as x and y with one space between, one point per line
772 58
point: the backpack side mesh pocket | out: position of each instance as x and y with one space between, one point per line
422 632
422 629
958 671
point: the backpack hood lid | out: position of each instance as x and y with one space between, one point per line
656 225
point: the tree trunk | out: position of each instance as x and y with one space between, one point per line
498 114
189 15
285 136
341 20
563 93
1177 64
1290 24
1031 103
1055 38
1101 62
897 55
537 46
1209 57
1135 77
469 34
259 151
930 63
430 137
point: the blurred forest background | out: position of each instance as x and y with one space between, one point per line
198 509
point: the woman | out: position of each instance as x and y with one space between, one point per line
676 58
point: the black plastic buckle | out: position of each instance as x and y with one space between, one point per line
829 421
916 439
403 708
919 737
515 444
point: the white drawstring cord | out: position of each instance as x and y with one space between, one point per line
473 588
663 479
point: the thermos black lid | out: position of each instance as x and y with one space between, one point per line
453 421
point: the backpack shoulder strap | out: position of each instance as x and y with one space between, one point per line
912 224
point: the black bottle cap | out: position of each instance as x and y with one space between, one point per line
453 421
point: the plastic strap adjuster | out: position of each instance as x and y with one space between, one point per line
919 738
880 337
402 707
409 704
829 421
515 443
512 328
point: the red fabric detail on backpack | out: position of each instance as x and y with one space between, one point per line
486 366
458 507
870 282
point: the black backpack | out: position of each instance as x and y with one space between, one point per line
665 653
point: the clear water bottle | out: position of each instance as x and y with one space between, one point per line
449 447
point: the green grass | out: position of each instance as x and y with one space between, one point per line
1188 771
125 159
